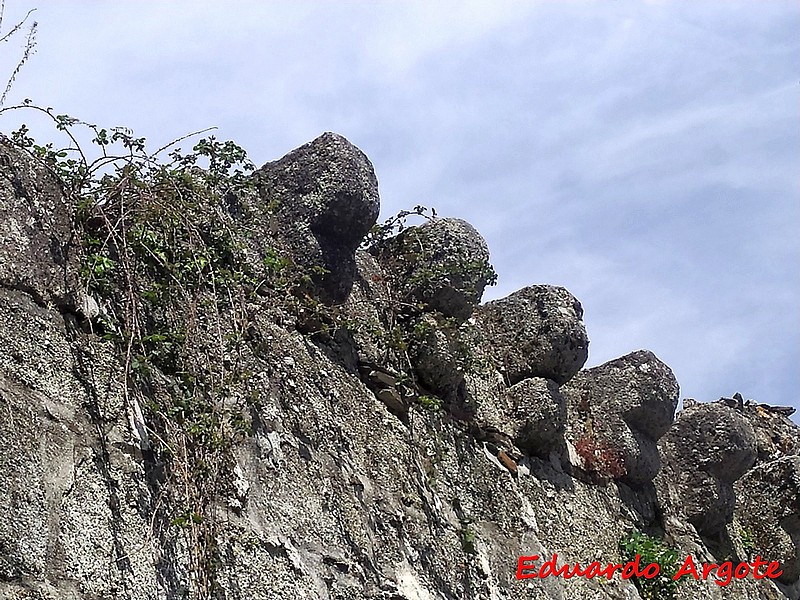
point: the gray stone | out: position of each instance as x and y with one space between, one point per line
708 448
437 354
443 265
369 306
768 506
537 331
322 199
35 228
623 407
776 434
537 415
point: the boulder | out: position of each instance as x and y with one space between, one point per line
442 265
321 200
535 415
537 331
708 448
624 406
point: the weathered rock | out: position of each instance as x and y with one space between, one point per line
325 492
443 265
776 435
535 332
438 355
708 448
324 199
768 506
35 228
73 487
535 416
624 406
768 495
368 306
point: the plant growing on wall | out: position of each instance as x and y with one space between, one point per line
652 551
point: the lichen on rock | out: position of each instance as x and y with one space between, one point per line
537 331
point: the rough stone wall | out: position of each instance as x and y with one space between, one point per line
350 486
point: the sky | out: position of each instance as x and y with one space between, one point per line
644 155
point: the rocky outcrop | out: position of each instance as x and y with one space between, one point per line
536 332
410 445
320 200
707 450
618 412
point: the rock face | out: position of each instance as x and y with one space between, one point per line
394 452
536 332
35 228
769 510
536 416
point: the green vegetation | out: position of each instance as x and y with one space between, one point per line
160 251
652 550
468 539
431 403
746 538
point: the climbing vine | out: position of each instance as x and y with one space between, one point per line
166 280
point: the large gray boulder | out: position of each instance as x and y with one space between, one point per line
35 228
320 200
537 331
708 448
623 407
442 265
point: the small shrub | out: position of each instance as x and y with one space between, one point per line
431 403
468 539
652 550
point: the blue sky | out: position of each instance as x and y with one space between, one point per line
645 155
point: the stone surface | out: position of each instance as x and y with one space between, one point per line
625 406
537 331
323 199
705 452
330 493
443 264
768 506
35 228
533 413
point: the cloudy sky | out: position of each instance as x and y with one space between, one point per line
645 155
